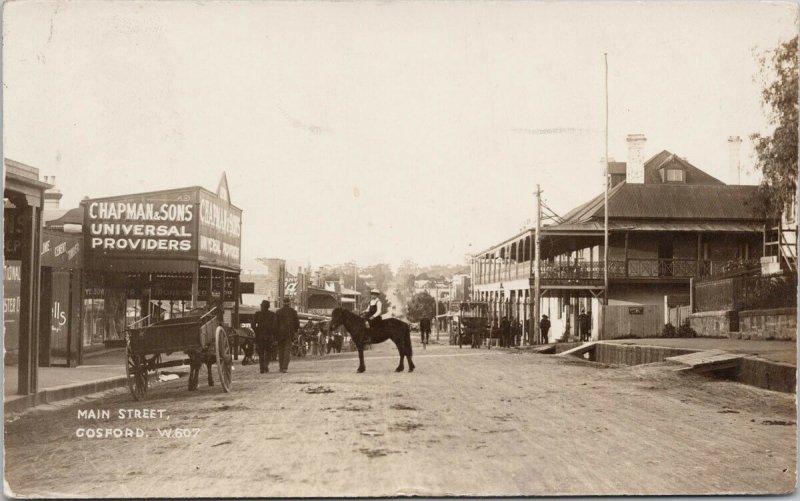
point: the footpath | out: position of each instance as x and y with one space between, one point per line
100 372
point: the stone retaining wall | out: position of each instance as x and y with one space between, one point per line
778 323
630 354
714 323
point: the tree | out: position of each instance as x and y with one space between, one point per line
422 305
777 153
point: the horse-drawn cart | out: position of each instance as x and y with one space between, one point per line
198 334
473 325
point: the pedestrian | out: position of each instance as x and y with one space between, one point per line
516 332
505 332
585 325
425 329
544 328
265 325
288 325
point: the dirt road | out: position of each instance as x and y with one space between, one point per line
467 422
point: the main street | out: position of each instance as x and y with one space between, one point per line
466 422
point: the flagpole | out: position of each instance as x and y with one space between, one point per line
605 210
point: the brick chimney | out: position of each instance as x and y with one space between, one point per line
734 162
635 169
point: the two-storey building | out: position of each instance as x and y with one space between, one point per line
668 222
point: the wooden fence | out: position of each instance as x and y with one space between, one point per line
679 314
632 321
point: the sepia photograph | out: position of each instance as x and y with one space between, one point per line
285 249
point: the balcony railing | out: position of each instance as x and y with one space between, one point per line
592 271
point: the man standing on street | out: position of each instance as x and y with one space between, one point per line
265 325
584 325
544 328
288 325
505 332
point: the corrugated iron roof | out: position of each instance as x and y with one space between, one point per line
670 201
681 201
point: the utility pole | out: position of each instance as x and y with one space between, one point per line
436 303
355 287
537 268
605 202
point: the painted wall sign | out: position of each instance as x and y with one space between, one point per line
12 303
61 251
59 312
220 229
636 310
156 224
13 232
186 224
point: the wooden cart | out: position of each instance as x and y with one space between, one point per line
473 326
197 334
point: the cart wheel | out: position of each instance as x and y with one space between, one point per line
224 359
136 374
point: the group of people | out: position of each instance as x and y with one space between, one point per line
509 332
275 328
584 327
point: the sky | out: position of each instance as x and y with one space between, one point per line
377 131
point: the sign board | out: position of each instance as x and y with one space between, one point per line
13 232
12 303
59 319
147 225
220 231
636 310
128 233
247 287
61 250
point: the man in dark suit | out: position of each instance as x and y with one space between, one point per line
425 329
265 326
288 325
544 328
584 325
505 332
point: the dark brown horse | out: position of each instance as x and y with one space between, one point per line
391 328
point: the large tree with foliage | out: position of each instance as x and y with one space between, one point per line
777 153
420 306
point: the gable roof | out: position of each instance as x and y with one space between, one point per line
667 159
701 197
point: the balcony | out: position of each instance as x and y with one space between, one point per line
591 272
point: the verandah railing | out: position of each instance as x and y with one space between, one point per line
617 268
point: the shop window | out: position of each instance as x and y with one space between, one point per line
93 321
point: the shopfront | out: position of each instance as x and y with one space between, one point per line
154 255
61 299
23 194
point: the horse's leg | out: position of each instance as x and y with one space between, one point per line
361 366
194 370
409 349
401 350
209 361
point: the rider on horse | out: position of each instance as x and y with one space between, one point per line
373 313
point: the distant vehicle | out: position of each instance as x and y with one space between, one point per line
473 323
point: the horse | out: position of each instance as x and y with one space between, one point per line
391 328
